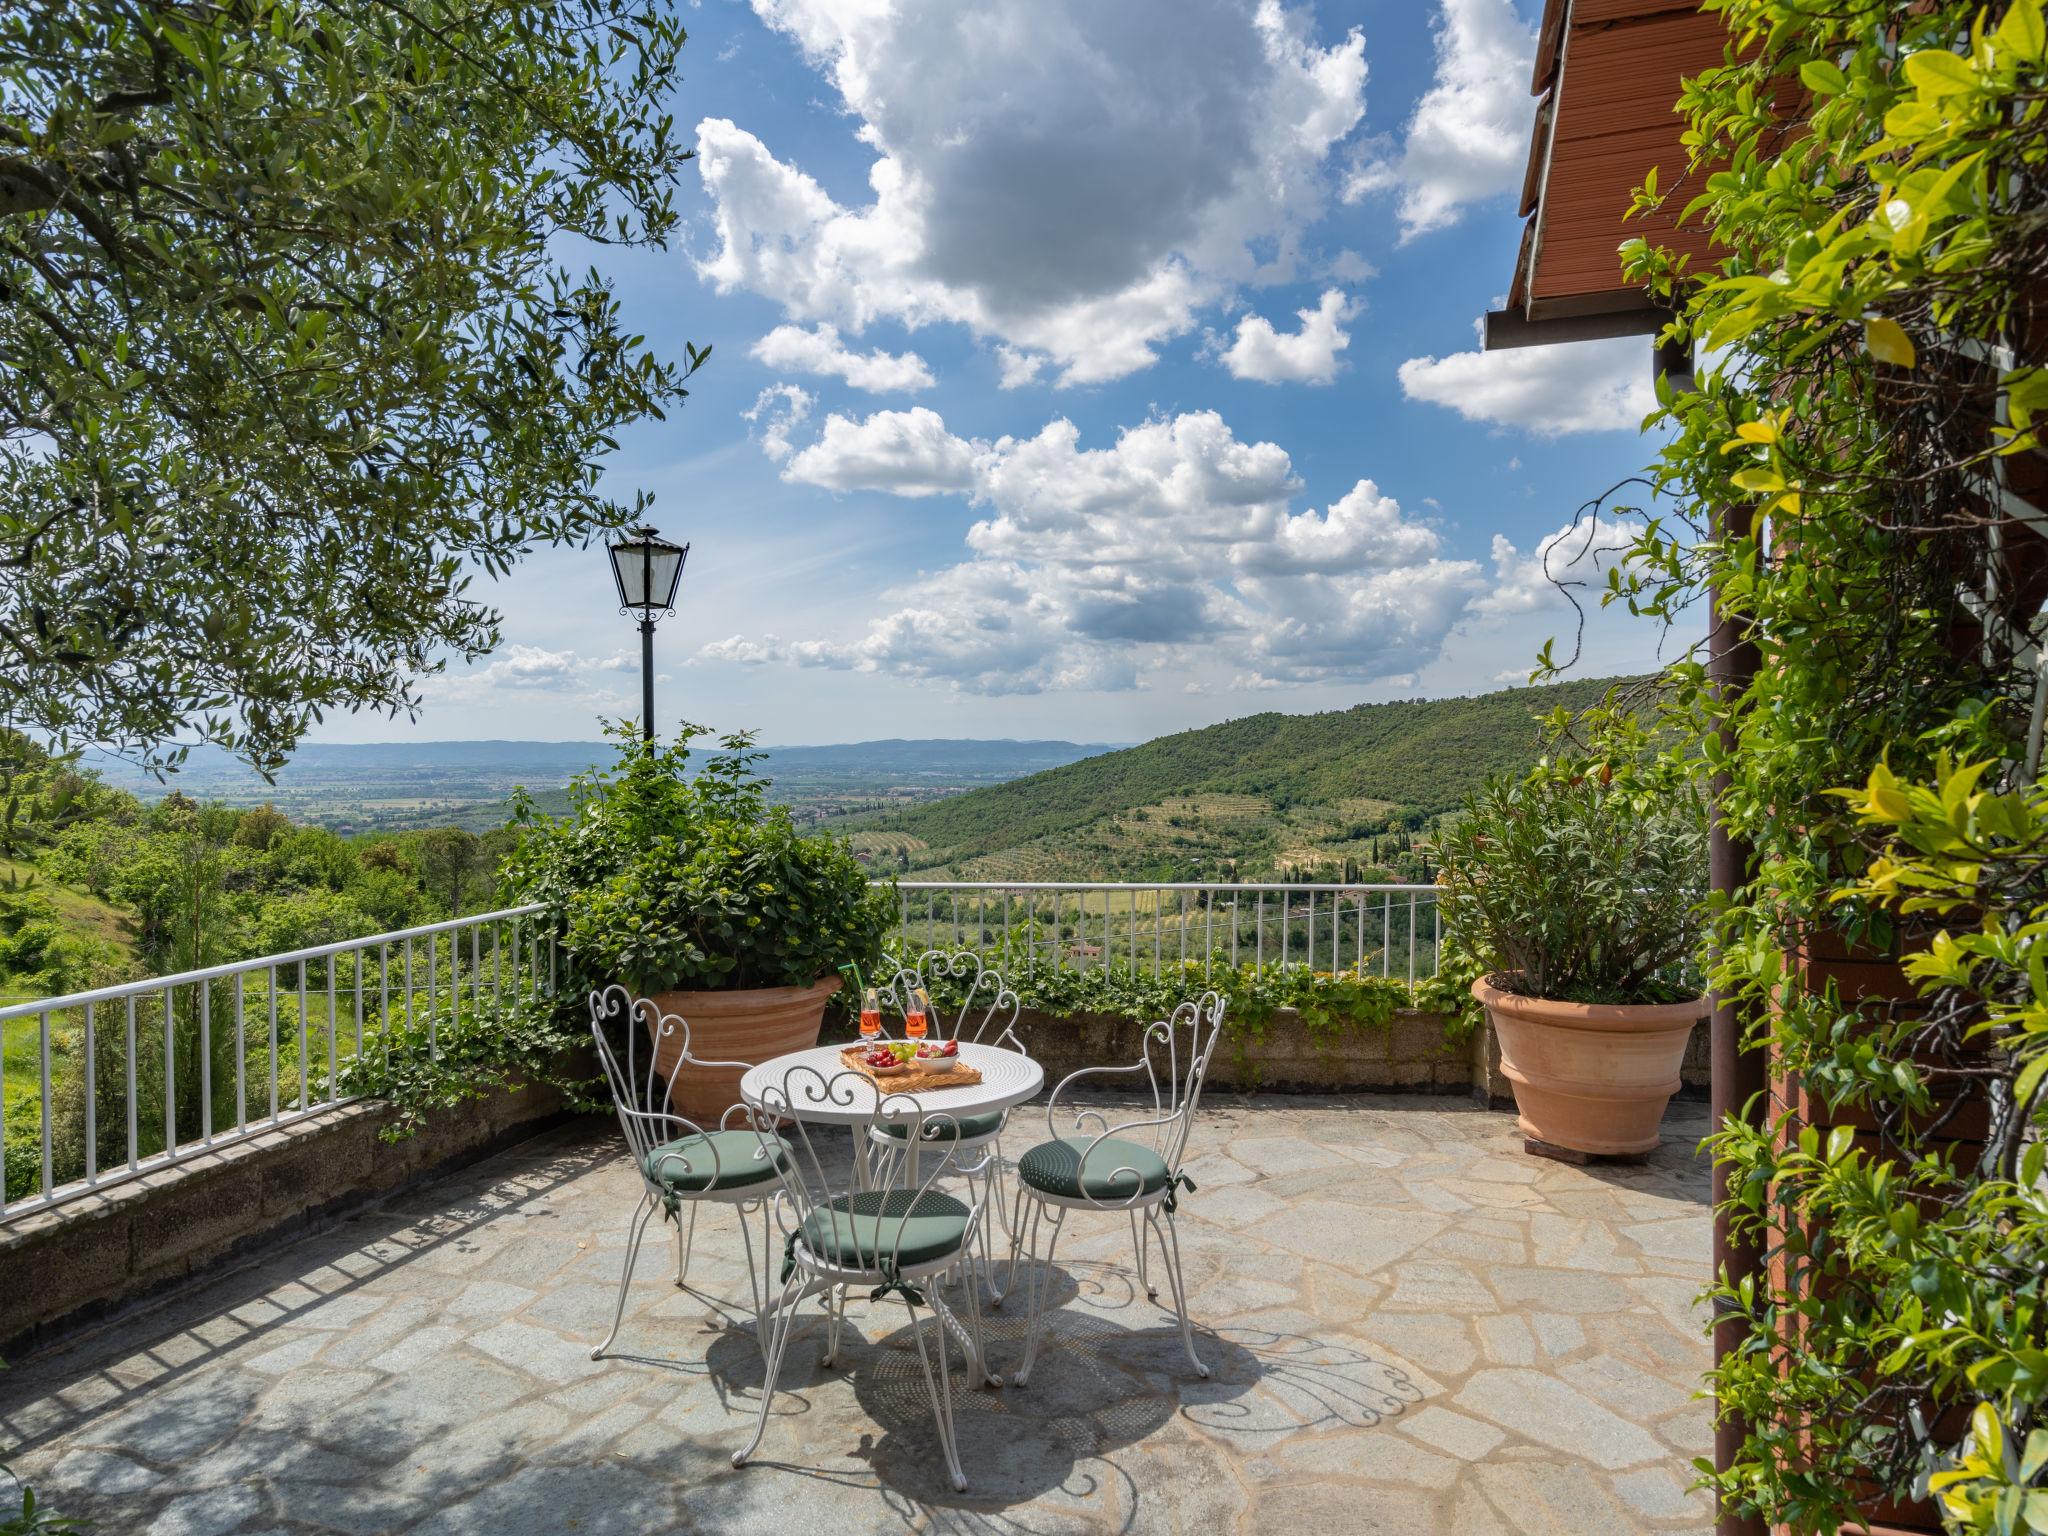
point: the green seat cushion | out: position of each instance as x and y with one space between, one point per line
861 1231
717 1160
969 1126
1056 1167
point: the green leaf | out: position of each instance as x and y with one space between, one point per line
2029 1080
1823 77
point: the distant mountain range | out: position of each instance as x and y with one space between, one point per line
210 768
1252 797
387 785
1335 793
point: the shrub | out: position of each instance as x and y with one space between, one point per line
489 1044
665 880
1581 882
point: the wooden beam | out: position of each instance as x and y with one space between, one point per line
1513 328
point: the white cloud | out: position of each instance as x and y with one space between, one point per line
1362 529
819 350
1178 544
907 453
1170 496
1584 386
1347 266
1373 625
780 409
1578 556
1468 138
1071 181
527 669
1306 356
1018 368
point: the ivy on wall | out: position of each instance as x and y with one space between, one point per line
1869 341
1330 1005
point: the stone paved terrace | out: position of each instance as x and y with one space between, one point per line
1413 1327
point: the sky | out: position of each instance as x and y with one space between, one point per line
1084 369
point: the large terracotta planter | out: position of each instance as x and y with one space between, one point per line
747 1025
1587 1077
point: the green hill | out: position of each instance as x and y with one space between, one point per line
1251 797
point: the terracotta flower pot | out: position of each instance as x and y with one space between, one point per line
749 1025
1590 1077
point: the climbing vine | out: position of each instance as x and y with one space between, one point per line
1867 404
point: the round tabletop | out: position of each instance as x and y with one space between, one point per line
1007 1078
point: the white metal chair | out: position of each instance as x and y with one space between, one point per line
1133 1165
679 1163
987 1016
894 1232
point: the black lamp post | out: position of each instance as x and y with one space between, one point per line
648 569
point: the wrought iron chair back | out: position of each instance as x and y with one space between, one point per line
1175 1063
839 1230
988 1005
643 1094
900 1174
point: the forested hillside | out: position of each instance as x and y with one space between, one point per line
1337 794
96 886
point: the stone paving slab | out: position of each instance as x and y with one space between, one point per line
1412 1326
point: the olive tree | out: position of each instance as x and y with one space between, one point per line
292 345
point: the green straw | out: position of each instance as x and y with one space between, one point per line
858 985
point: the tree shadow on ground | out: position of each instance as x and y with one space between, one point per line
230 1306
1111 1375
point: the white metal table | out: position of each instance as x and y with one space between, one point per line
1008 1078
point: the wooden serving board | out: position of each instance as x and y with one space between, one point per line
913 1079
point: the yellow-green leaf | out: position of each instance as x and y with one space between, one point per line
1935 73
1888 342
2022 31
1886 799
1912 120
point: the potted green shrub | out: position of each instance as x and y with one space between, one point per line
693 890
1578 889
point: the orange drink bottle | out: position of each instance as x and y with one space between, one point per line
914 1015
870 1014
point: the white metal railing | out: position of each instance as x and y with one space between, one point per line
1394 931
102 1086
127 1079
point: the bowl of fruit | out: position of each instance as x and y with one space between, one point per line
938 1055
886 1060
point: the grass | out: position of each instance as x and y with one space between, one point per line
21 1039
82 913
21 1063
